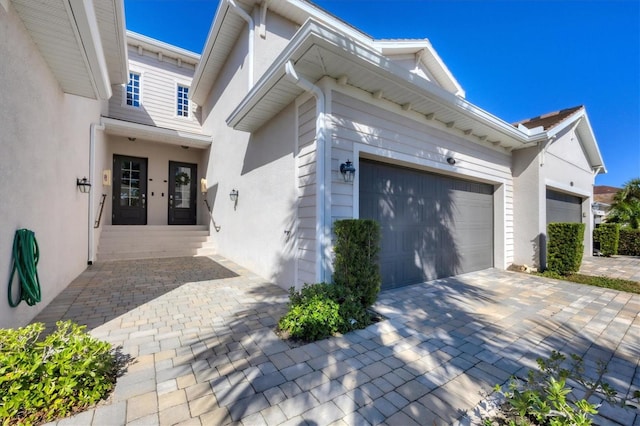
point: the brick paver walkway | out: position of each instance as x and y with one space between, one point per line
205 352
623 267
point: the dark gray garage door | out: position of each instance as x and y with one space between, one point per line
433 226
563 207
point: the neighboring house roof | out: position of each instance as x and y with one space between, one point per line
84 45
554 123
227 25
549 120
604 194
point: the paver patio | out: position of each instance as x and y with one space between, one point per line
205 352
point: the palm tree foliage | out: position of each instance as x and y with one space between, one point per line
625 209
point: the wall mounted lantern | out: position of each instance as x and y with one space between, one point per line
83 185
348 171
233 195
451 160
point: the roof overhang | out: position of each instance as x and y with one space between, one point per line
71 41
227 26
427 55
166 49
587 138
318 51
129 129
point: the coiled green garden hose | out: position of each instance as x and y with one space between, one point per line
26 254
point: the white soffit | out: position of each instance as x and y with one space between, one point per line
111 22
318 51
66 33
129 129
223 34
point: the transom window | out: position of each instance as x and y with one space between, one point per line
183 101
133 90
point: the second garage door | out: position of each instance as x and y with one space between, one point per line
433 226
563 207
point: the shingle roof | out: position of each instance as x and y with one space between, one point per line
549 120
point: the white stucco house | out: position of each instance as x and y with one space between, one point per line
243 146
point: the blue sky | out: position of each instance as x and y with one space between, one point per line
515 59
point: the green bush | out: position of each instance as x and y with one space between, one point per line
356 258
565 247
608 235
629 244
314 319
41 380
312 312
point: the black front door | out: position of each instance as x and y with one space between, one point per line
182 193
129 190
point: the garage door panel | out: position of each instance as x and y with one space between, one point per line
432 226
563 207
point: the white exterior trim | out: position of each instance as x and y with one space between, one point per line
124 103
83 14
568 189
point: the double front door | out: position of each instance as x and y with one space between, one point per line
130 198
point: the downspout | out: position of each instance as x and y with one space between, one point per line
321 226
244 15
92 168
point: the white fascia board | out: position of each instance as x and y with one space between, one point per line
166 49
84 16
175 137
118 7
580 119
198 97
313 32
389 47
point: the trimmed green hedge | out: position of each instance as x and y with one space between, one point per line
629 244
356 262
608 235
565 247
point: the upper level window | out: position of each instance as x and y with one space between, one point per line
133 90
183 101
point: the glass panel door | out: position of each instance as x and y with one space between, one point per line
129 190
182 193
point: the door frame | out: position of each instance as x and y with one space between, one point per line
117 184
192 218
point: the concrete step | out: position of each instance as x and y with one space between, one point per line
122 242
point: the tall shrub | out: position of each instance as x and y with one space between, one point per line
629 242
356 258
608 235
565 247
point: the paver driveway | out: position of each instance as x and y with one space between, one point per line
205 352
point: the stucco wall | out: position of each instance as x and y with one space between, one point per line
261 166
529 206
44 135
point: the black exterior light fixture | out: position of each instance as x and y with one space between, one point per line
233 195
83 185
348 171
451 160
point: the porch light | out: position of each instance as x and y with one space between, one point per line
83 185
348 171
233 195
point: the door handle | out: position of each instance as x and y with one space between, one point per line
144 200
170 200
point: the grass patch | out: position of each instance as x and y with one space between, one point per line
606 282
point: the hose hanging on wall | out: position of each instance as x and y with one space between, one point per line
25 260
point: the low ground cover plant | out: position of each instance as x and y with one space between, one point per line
605 282
546 398
49 378
321 310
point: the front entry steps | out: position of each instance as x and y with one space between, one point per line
122 242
